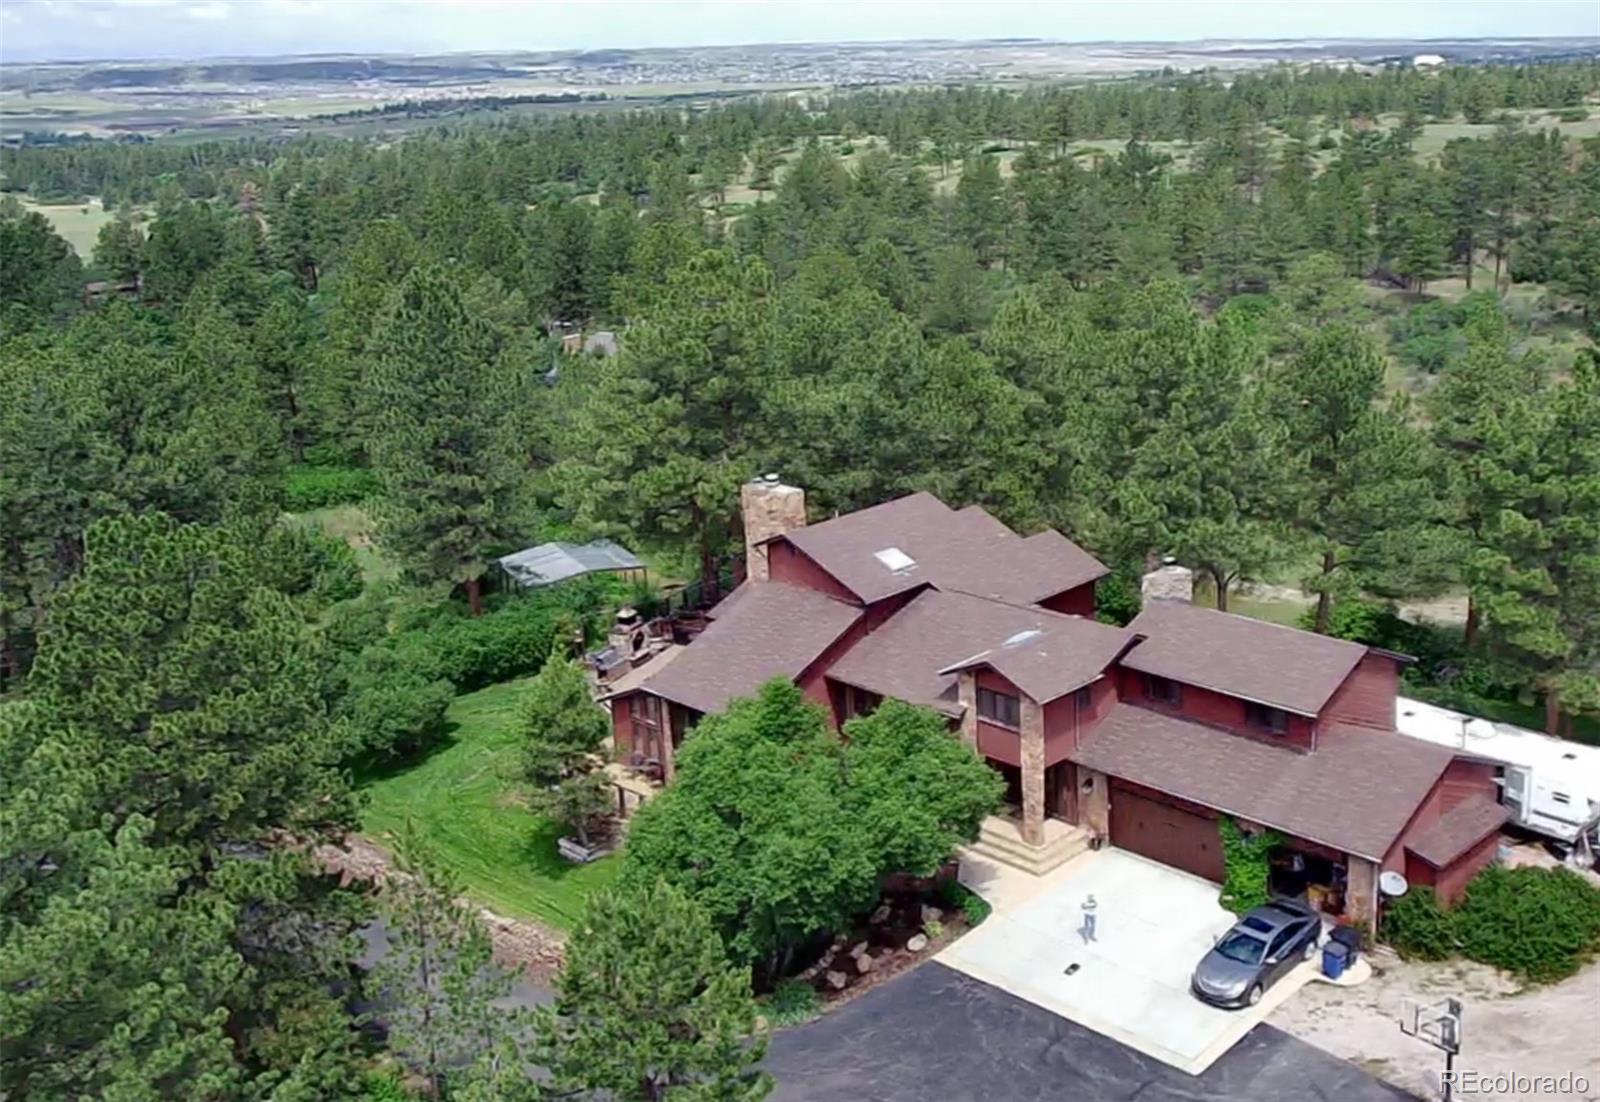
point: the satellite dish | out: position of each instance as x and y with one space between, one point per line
1393 884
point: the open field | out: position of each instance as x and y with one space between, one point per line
462 803
78 223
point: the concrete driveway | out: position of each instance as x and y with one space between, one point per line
934 1034
1132 982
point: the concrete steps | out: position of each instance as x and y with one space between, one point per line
1001 840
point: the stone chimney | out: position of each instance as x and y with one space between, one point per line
1168 582
769 509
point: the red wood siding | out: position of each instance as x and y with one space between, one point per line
1461 779
813 680
1366 699
1214 708
622 726
1064 727
995 741
787 563
1078 601
1451 881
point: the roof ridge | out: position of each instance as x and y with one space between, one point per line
1253 621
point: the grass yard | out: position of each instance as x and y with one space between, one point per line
462 805
78 223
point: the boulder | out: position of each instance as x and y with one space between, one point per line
931 914
917 943
837 980
865 963
859 949
881 915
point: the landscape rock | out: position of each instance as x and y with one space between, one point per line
917 943
881 915
865 963
859 949
931 914
837 980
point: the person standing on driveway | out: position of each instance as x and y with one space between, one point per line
1086 931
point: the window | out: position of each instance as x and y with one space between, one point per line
1084 698
1001 708
646 716
1162 689
1561 797
859 702
1266 717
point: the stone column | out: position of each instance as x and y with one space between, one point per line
669 753
967 695
1032 772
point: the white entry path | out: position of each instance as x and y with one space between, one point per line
1132 982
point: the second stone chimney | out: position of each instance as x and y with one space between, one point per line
769 509
1168 582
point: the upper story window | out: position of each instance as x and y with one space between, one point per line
1001 708
859 702
1163 689
1084 698
1266 717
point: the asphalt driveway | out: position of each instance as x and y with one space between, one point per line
935 1034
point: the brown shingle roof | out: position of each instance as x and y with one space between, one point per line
1458 830
967 551
907 658
774 630
1355 792
1269 663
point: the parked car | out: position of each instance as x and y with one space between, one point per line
1255 953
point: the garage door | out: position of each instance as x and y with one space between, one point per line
1165 833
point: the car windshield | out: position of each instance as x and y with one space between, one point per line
1241 947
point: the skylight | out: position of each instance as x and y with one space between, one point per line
1022 637
895 559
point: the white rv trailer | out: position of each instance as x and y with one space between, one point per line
1551 785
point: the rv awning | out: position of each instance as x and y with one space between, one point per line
549 563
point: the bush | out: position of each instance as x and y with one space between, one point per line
393 706
384 1087
957 896
1572 114
791 1003
307 487
1541 924
1418 928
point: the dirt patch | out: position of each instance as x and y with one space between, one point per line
1505 1027
535 948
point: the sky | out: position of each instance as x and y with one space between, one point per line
34 30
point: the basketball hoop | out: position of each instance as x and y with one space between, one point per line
1439 1024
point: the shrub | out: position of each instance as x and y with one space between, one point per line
1541 924
307 487
384 1087
934 929
791 1003
393 704
958 896
1418 928
1572 114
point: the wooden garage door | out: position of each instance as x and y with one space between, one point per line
1165 833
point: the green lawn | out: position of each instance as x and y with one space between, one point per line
465 810
78 223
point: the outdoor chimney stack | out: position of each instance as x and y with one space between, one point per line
1168 582
769 509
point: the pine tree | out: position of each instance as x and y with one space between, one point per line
648 1009
438 404
565 732
439 980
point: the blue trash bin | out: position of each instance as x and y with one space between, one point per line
1335 958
